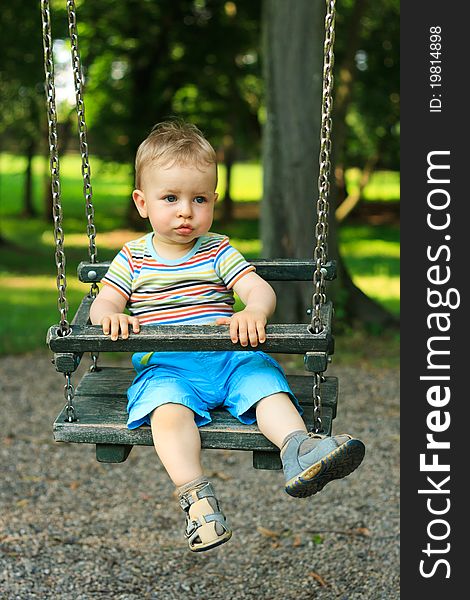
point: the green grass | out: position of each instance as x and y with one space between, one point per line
112 185
27 269
372 255
384 186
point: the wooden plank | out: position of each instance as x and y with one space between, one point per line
224 432
112 382
279 269
102 420
289 339
112 453
270 461
82 316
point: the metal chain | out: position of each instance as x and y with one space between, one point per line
320 252
69 394
54 167
321 229
317 422
94 368
82 135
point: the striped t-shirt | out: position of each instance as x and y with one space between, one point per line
195 289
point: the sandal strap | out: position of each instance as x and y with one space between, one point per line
193 525
187 498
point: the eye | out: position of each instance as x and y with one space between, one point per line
200 199
170 198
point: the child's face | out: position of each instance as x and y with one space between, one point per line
178 200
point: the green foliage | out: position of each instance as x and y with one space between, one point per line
147 61
198 59
373 113
21 74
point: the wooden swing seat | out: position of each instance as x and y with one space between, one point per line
100 398
100 402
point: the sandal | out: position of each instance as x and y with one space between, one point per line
330 458
206 525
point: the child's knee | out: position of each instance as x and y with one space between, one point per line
171 415
273 399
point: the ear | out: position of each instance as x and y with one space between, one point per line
139 200
216 197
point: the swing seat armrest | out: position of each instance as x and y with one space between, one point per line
295 339
276 269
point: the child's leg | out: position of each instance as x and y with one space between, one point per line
177 442
277 417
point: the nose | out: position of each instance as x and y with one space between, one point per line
185 209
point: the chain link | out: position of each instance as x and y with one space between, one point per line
62 303
321 229
317 422
94 368
69 394
82 133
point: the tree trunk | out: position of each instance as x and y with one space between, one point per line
229 159
292 61
28 206
342 98
346 207
47 190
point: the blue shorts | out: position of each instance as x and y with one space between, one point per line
203 381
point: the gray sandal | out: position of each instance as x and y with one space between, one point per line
206 525
330 458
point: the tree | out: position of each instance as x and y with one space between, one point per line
293 55
21 86
146 61
366 107
292 40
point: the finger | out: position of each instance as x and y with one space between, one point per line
106 324
253 335
124 326
234 330
223 321
261 332
114 327
243 333
135 325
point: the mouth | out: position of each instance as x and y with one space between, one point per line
185 229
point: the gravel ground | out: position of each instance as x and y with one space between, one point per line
72 528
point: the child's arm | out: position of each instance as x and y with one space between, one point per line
249 324
107 310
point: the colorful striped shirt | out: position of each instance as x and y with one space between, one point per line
195 289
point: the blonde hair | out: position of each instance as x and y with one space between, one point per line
173 142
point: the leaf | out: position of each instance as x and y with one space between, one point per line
318 578
362 531
268 532
220 475
74 485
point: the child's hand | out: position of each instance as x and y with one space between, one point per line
119 323
248 325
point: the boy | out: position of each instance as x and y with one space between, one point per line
181 272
